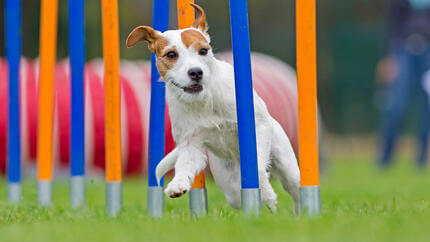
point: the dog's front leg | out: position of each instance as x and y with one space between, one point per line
191 161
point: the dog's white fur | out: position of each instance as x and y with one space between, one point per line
204 126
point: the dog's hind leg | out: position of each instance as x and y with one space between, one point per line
264 140
284 164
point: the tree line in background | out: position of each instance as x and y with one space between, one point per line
349 45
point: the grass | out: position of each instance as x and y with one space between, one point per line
360 203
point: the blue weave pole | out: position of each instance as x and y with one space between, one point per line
160 22
77 123
13 52
245 105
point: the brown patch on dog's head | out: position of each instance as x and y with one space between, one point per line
164 62
200 21
156 43
194 38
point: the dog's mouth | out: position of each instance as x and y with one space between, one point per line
194 88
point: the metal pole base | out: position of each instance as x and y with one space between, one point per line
113 198
251 201
14 192
44 193
155 202
198 202
77 191
310 201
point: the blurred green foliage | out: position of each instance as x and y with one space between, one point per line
349 35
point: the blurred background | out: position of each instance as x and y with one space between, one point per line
349 45
351 41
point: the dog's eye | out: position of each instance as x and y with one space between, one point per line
172 55
203 51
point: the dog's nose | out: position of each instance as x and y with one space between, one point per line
196 74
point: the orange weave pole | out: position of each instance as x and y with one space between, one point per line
307 88
185 20
48 44
112 90
185 14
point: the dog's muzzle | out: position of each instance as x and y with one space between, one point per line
195 74
193 89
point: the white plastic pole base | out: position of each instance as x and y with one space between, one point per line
155 202
77 191
113 198
310 201
14 192
251 201
44 193
198 202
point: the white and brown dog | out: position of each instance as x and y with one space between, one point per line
202 107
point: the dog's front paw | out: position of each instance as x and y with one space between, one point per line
178 187
272 205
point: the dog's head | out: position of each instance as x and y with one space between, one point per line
184 56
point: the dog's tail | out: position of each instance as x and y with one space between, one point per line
166 164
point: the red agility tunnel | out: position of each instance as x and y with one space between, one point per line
274 81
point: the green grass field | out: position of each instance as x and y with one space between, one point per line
360 203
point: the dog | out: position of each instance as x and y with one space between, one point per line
200 93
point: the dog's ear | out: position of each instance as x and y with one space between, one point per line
200 21
143 33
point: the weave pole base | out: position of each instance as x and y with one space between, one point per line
310 201
44 193
198 202
14 192
77 191
113 198
155 202
251 201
